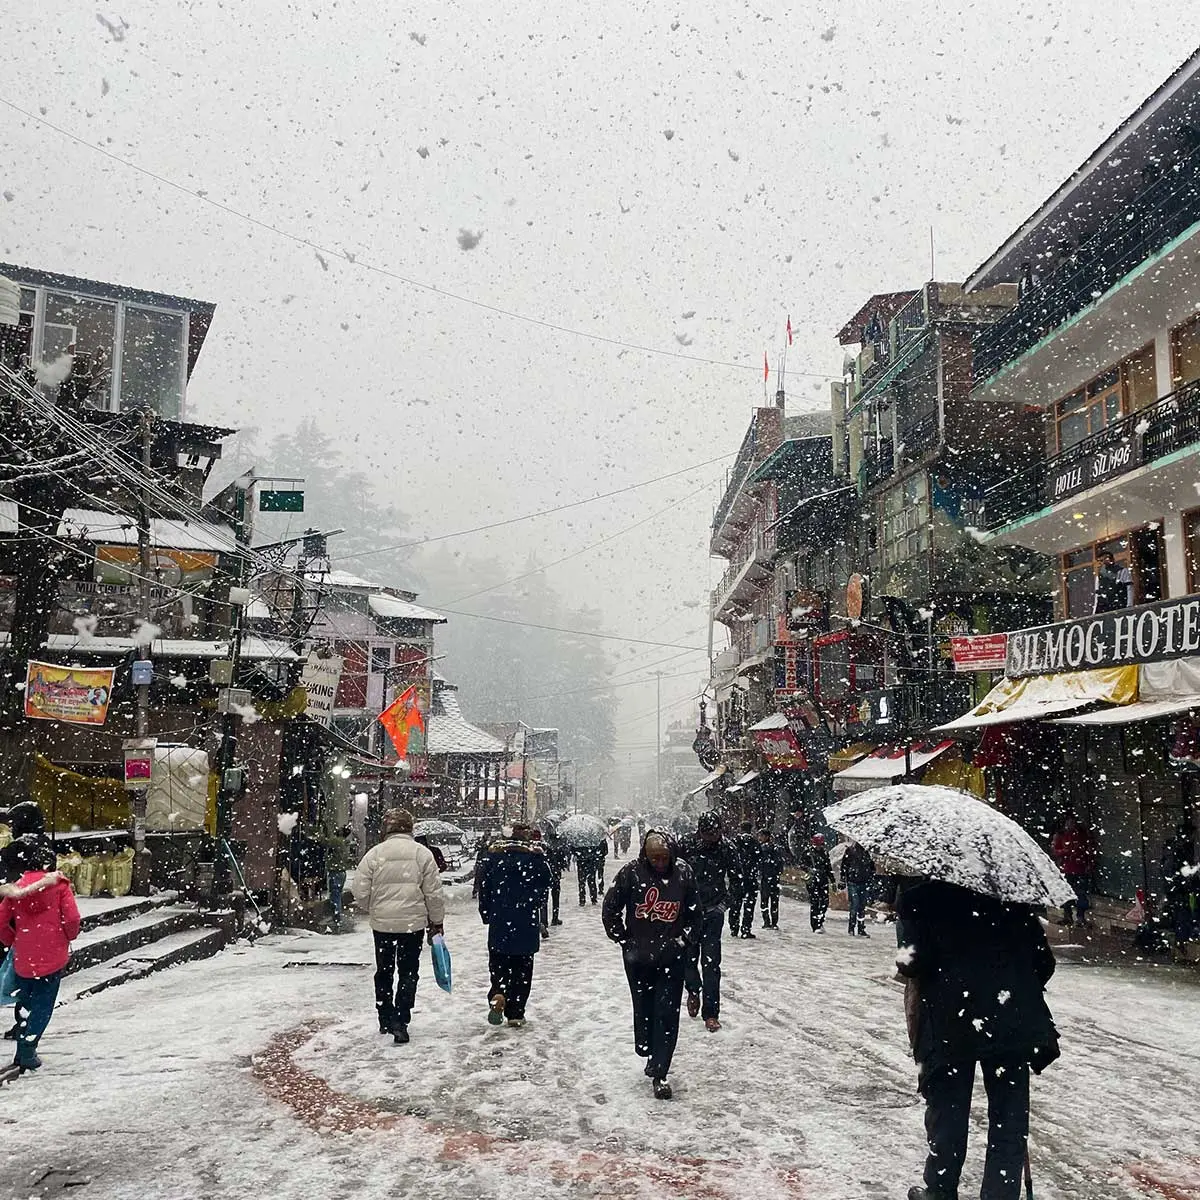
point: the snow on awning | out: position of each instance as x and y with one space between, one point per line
383 605
888 762
253 648
1126 714
120 529
749 777
1041 696
774 721
708 780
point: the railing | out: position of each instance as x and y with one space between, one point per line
909 323
1159 213
879 463
758 545
1133 441
737 477
919 436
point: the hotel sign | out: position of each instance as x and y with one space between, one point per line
1083 472
1155 632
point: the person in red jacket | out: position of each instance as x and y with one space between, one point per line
37 928
1074 850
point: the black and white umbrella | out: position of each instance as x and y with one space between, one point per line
582 829
942 833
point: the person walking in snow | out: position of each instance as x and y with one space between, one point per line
589 863
820 878
1074 850
856 874
398 885
510 904
652 912
770 867
975 970
558 859
714 866
39 920
745 892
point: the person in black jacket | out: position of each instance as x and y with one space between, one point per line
511 895
558 858
820 878
857 872
745 891
976 971
27 824
770 867
652 912
714 865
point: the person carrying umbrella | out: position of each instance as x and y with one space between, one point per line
652 912
975 961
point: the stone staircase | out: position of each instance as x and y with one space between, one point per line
128 939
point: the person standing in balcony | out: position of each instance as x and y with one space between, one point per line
1114 584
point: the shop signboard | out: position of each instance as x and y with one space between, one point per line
320 680
1081 472
980 652
75 695
1157 632
139 763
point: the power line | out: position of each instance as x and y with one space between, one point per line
364 264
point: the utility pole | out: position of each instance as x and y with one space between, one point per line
142 668
658 740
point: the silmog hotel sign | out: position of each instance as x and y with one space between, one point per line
1154 632
1082 473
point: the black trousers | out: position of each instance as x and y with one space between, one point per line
818 901
588 868
768 891
512 977
705 958
657 992
398 966
555 892
947 1116
741 907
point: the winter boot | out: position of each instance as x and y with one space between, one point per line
555 920
516 1022
662 1090
693 1004
928 1193
400 1035
496 1009
712 1024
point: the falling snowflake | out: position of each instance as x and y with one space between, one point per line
468 239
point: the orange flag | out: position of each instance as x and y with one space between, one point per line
766 368
401 718
789 329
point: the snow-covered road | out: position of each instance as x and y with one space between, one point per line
250 1076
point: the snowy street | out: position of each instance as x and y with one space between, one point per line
260 1072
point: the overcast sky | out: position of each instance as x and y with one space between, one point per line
665 176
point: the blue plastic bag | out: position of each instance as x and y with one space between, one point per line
8 981
440 953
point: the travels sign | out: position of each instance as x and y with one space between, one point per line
1155 632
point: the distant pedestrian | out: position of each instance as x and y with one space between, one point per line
589 864
398 885
976 970
652 913
820 878
37 927
339 856
1074 850
711 859
770 867
481 853
510 905
1181 882
438 857
558 859
624 839
535 836
856 875
741 907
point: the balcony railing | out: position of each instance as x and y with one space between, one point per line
919 436
758 546
1140 438
1161 212
878 463
737 477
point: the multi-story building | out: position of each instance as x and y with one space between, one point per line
1103 347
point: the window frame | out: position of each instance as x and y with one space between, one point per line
1092 403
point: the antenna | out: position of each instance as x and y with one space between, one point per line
932 267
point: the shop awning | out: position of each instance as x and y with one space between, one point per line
888 762
749 777
1042 696
1126 714
839 760
708 780
774 721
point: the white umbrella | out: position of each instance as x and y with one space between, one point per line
953 836
433 827
582 829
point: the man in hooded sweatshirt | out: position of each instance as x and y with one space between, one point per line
37 927
652 912
400 888
976 971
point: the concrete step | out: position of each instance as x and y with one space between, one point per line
96 911
189 945
119 939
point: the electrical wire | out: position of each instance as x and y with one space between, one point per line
366 265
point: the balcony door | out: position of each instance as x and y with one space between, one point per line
1090 409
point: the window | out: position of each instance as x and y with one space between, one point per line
1185 353
152 361
381 659
1129 386
1191 548
85 328
1139 550
906 520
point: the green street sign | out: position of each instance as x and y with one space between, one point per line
281 502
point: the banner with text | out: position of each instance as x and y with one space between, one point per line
77 695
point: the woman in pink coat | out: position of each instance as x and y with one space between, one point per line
37 927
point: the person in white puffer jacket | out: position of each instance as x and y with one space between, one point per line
398 886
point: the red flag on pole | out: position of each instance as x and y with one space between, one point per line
789 329
402 718
766 368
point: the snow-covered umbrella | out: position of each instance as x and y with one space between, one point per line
433 827
582 829
942 833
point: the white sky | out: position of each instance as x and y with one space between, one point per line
811 152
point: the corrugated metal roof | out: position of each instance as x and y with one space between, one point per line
449 732
384 605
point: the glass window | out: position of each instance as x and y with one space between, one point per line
85 328
1185 353
152 361
381 658
1141 378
